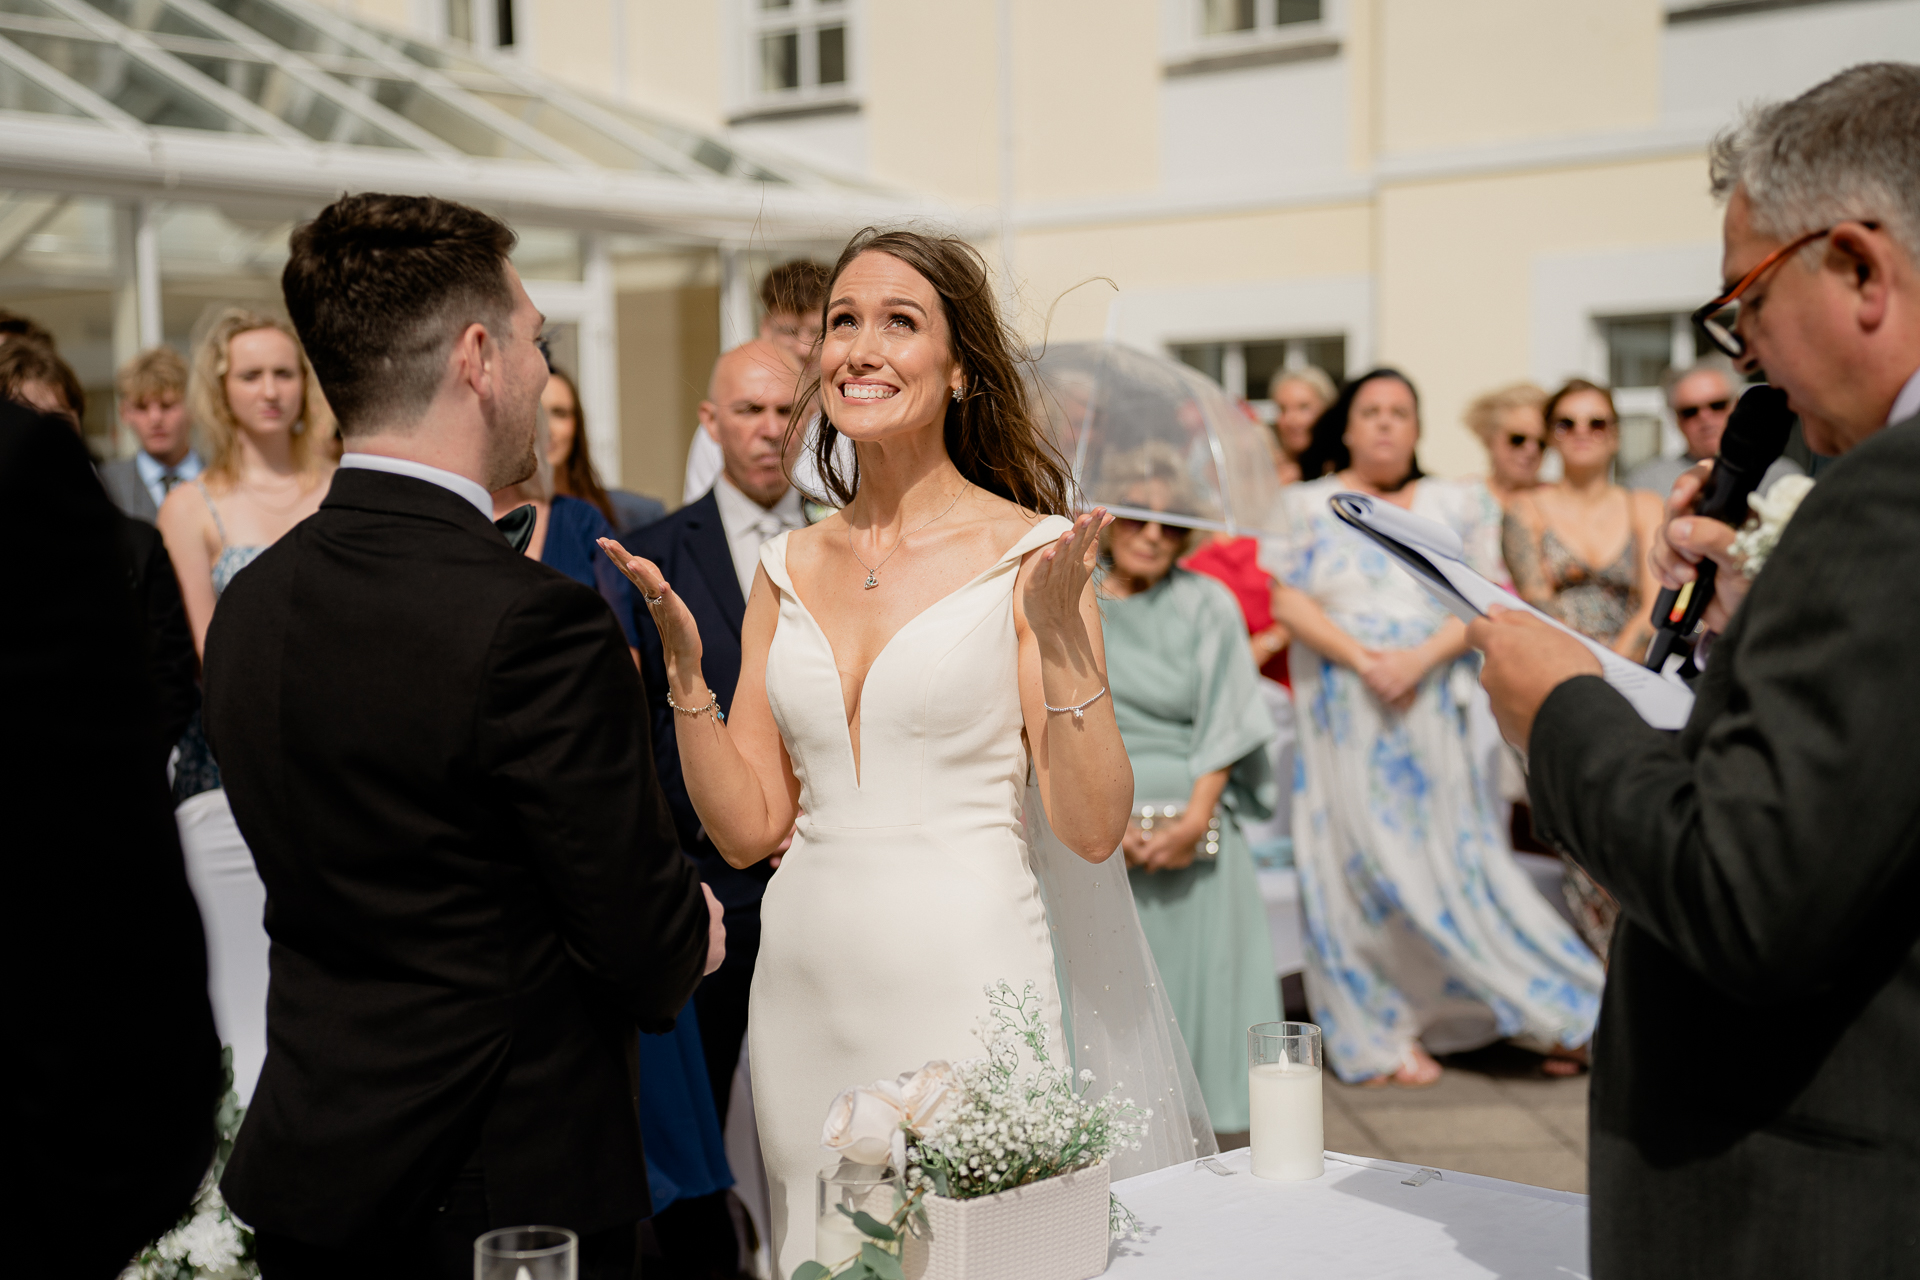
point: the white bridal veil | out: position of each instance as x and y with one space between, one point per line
1115 1013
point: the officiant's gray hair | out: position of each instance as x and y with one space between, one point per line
1848 149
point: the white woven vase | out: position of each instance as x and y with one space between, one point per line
1051 1230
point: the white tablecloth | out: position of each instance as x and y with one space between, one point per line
1358 1220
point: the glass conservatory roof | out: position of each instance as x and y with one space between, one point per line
360 107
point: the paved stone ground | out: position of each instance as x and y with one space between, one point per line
1492 1113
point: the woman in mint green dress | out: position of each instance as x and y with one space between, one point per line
1187 698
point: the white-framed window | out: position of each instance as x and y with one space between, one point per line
1246 367
798 52
1641 351
485 24
1253 19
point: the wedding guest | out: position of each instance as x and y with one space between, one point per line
570 457
687 1174
32 374
114 1069
15 325
1299 396
1557 540
1765 858
1701 397
253 394
1513 429
438 748
1196 732
709 550
151 395
1423 934
791 299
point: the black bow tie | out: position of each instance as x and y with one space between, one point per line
517 527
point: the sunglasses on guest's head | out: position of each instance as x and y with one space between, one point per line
1567 426
1688 412
1518 441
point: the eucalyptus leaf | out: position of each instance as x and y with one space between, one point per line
883 1264
872 1226
811 1271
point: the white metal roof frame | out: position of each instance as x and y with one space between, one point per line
670 179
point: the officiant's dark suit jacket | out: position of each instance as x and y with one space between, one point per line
437 751
1756 1084
690 546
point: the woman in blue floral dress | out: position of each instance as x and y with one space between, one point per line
1421 927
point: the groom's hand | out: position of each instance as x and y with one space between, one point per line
716 931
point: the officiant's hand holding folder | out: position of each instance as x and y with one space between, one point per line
1434 555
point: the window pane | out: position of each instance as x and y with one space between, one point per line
440 118
1639 350
281 27
547 253
1287 11
1264 359
134 87
776 4
312 113
503 24
155 17
17 93
1204 356
833 55
571 132
460 20
35 9
1217 17
1329 355
780 61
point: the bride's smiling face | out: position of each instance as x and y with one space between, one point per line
886 358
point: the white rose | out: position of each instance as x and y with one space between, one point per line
926 1092
861 1123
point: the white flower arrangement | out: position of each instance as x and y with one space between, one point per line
975 1128
1771 512
210 1243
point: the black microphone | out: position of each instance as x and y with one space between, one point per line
1756 435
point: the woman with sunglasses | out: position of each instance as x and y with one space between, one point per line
1423 932
1510 424
1577 549
1187 699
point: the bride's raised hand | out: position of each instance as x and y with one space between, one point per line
1060 576
679 634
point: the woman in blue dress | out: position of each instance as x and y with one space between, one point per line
1423 933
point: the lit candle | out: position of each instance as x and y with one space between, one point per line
1285 1129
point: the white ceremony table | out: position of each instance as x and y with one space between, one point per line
1359 1219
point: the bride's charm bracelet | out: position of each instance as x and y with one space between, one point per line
713 706
1079 709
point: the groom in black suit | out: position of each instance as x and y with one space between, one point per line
1756 1080
437 750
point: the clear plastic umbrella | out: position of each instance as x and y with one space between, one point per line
1150 438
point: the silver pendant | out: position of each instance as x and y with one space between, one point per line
872 582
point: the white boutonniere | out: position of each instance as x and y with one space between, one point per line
1771 512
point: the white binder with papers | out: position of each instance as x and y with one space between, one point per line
1433 554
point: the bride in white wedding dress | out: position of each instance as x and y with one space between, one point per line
916 670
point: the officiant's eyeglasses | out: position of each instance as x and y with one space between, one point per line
1720 319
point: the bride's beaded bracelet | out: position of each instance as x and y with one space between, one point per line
713 706
1079 709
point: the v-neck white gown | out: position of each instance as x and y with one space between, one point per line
905 892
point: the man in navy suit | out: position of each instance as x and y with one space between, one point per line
709 550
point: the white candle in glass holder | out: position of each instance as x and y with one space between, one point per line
1286 1129
835 1239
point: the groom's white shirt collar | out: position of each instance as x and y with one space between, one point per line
468 489
1907 403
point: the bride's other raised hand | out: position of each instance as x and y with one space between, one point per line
1056 589
679 633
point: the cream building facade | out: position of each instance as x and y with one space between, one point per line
1474 191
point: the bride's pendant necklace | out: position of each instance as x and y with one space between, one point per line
873 570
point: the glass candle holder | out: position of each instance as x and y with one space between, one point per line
1286 1130
527 1253
857 1188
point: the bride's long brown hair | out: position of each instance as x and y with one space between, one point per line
992 433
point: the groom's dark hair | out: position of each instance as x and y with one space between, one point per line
379 286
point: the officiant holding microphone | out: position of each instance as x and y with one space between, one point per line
1767 860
